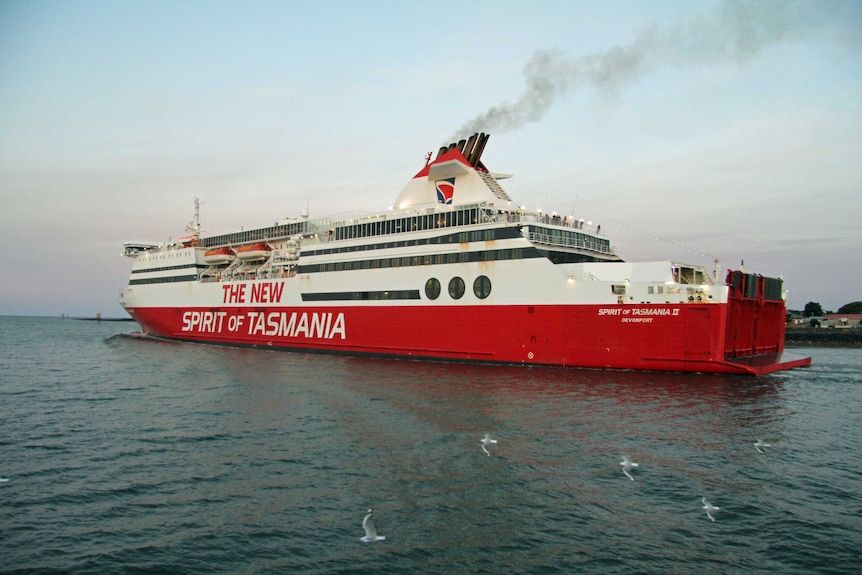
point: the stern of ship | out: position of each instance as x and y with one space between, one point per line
754 327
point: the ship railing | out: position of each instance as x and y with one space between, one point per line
281 263
516 216
227 273
277 272
584 244
210 275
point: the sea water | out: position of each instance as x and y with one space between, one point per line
126 454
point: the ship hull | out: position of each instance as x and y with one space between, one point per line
686 338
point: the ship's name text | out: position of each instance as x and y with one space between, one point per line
320 325
264 292
638 311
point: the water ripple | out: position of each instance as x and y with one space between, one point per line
128 454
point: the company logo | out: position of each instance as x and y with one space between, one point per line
445 190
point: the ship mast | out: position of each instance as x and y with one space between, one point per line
194 226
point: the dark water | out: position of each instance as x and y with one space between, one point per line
129 455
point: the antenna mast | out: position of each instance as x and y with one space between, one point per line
194 226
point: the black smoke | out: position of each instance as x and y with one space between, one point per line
736 32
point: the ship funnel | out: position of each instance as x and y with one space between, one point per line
471 148
471 143
481 140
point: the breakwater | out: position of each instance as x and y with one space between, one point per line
824 337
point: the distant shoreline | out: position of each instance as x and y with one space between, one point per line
823 337
101 318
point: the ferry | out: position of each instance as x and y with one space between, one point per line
456 271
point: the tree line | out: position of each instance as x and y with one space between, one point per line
814 309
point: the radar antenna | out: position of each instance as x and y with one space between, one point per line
194 226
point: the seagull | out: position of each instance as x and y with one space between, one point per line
370 532
487 441
710 509
627 465
759 444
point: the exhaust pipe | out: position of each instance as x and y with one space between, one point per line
477 151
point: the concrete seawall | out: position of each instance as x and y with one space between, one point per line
823 337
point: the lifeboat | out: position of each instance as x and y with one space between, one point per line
219 256
251 252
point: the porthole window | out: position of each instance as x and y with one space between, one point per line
456 288
432 288
482 287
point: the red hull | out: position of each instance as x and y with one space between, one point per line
689 338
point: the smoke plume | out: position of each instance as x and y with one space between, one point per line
737 31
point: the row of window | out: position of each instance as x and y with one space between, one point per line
457 287
462 217
243 237
163 280
424 260
506 233
568 238
362 295
461 237
170 268
662 289
381 263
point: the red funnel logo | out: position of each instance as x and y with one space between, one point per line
445 190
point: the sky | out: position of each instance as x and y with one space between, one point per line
689 130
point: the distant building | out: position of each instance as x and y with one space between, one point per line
794 318
843 320
836 320
816 321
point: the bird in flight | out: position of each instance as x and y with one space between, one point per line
759 445
370 531
486 442
710 509
627 465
